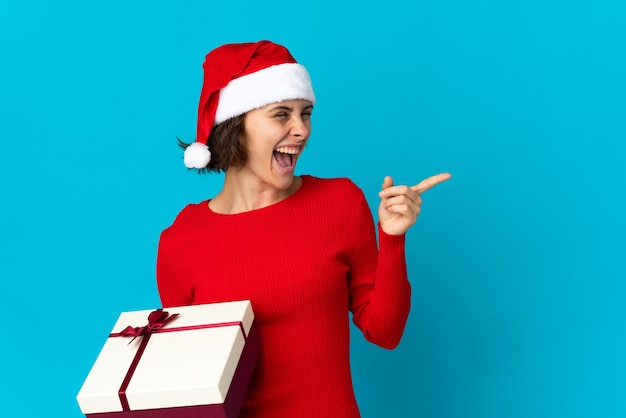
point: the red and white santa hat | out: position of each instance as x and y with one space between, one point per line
242 77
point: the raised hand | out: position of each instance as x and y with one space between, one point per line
400 205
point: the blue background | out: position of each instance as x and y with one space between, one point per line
517 263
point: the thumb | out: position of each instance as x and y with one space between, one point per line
387 182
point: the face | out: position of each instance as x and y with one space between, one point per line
275 136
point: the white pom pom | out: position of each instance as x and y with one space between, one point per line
197 155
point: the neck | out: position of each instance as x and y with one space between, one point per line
239 195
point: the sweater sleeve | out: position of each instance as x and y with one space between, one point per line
380 293
171 290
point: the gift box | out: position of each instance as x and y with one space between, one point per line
180 362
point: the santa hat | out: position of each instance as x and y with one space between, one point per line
242 77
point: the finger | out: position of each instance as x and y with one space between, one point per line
409 212
395 191
412 199
430 182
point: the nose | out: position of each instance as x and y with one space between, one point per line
301 128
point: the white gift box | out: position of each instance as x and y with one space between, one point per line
188 361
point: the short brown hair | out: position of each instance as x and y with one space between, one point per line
227 143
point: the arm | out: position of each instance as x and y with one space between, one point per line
380 293
171 290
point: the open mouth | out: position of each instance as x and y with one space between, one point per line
286 157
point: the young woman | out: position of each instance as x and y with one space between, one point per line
302 249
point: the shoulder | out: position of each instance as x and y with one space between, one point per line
192 211
338 186
334 195
190 216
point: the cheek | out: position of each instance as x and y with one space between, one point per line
260 147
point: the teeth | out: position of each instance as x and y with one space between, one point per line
287 150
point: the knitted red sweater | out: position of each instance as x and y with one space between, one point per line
304 263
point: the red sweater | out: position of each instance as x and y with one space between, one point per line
304 263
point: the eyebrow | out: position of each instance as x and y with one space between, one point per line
283 107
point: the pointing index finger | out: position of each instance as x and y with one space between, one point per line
430 182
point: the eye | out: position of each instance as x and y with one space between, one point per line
281 115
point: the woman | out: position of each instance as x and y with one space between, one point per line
301 248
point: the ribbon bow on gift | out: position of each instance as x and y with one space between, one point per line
156 320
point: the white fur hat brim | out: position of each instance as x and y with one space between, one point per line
273 84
